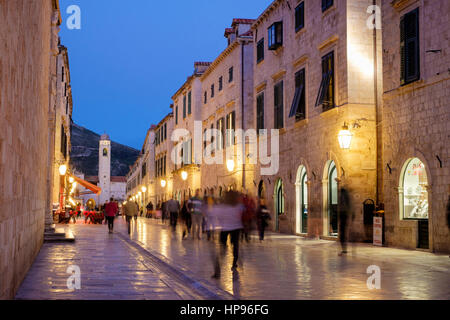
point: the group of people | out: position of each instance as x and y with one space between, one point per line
232 216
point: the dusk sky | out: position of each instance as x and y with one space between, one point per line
130 57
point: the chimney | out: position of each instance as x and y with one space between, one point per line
200 67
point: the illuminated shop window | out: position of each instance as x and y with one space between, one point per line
415 194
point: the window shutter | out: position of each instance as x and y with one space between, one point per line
402 51
412 46
176 115
189 102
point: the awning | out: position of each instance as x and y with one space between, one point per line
87 185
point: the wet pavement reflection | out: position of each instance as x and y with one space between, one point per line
290 267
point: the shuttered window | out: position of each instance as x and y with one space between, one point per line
230 74
275 35
176 115
189 102
221 134
220 83
231 127
409 47
260 51
326 4
278 105
325 97
184 107
259 112
298 104
300 16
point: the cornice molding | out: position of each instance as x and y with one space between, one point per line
331 40
278 75
260 87
300 61
402 4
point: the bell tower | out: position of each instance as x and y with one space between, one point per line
104 168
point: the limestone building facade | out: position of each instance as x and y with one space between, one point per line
227 99
416 123
314 74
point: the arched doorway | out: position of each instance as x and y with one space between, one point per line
261 190
279 202
301 200
413 198
331 200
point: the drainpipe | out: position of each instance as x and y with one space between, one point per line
378 131
243 43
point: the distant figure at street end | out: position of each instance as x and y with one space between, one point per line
343 214
130 210
111 209
149 209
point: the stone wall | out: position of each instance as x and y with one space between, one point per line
416 120
24 102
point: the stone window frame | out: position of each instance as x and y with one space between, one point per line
260 51
275 35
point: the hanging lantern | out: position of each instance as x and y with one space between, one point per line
62 169
345 137
144 189
163 183
230 165
184 175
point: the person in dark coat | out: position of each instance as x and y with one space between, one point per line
149 209
262 217
186 217
343 214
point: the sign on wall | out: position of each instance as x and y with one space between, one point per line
377 231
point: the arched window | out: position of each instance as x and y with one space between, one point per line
413 190
332 200
105 152
301 189
279 200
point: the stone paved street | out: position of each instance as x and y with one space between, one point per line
281 267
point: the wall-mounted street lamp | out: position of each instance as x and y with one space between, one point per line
230 165
163 183
345 137
71 179
144 189
62 169
184 175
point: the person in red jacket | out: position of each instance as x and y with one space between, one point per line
110 212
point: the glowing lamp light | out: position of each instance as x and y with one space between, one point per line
163 183
139 193
345 137
230 165
184 175
71 179
144 189
62 169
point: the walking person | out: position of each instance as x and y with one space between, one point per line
229 220
195 208
173 207
111 209
137 211
130 210
163 211
248 216
186 217
343 213
262 216
149 209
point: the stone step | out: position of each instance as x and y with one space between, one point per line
59 237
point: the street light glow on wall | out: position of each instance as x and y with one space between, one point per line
345 137
230 165
62 169
184 175
163 183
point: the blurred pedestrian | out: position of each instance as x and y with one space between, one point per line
111 209
248 216
163 211
149 209
130 210
344 210
262 217
229 220
186 217
173 207
195 208
208 205
137 211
